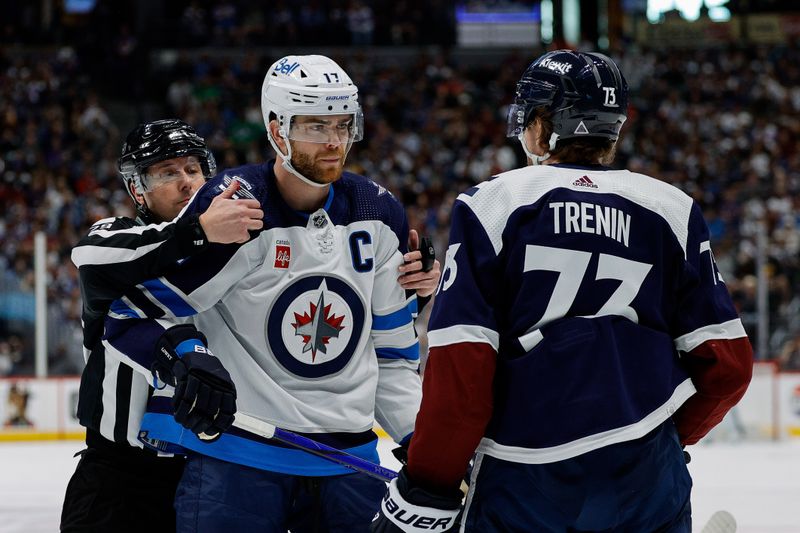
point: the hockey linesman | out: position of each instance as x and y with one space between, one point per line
307 317
117 485
581 334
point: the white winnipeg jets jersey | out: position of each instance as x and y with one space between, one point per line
307 317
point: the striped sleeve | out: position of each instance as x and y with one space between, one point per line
120 240
710 338
138 318
133 341
170 285
396 344
117 253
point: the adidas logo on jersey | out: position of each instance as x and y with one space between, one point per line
584 181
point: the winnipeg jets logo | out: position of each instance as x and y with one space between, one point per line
315 325
318 327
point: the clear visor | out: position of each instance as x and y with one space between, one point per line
531 93
171 171
327 129
515 120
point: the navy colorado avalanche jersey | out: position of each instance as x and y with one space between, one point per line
578 308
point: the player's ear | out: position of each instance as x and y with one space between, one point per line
274 129
543 139
136 194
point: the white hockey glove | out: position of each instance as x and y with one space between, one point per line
409 509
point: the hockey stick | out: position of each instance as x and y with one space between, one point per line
265 429
720 522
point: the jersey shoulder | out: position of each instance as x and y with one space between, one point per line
252 180
372 201
108 224
495 200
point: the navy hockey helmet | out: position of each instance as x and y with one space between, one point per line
585 93
152 142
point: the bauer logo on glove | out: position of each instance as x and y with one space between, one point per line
410 509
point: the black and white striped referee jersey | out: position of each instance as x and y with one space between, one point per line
116 254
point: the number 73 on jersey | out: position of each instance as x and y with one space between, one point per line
571 266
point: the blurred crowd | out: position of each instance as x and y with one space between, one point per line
329 22
242 23
723 125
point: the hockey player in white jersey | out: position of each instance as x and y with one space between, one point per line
580 336
307 317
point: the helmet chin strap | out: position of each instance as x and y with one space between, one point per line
287 162
144 213
537 159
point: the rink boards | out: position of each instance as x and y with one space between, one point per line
43 409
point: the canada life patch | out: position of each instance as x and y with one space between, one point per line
283 254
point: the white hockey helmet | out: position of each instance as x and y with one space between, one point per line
310 85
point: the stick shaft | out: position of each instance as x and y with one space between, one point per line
267 430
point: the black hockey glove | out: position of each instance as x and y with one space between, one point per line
401 452
409 509
205 397
428 253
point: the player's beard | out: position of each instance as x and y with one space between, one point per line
311 168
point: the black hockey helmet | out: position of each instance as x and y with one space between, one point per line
152 142
585 93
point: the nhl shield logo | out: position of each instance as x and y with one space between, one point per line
319 220
314 326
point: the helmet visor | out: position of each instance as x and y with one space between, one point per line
327 129
171 171
531 93
517 116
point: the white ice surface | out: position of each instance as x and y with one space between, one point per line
758 482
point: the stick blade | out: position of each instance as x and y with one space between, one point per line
720 522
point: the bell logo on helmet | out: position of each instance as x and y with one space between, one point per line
284 67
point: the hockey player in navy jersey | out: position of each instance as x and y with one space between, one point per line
580 336
307 317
